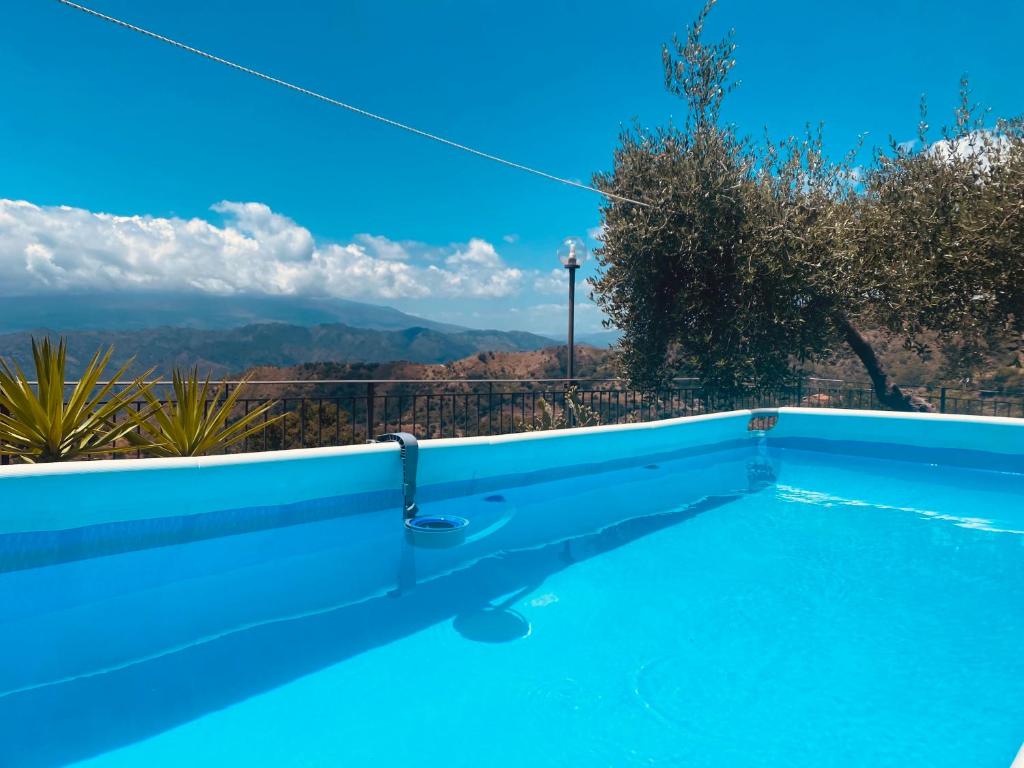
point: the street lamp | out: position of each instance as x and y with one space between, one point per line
572 253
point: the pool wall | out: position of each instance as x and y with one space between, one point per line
978 442
76 494
923 430
57 521
112 610
367 477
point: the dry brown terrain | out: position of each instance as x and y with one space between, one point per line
908 368
547 363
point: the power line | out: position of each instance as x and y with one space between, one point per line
349 107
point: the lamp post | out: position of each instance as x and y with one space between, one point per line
572 253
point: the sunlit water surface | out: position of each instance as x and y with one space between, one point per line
853 612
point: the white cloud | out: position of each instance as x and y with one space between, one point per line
255 250
511 238
596 233
478 253
982 147
384 248
581 306
554 281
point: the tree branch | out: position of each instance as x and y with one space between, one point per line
888 394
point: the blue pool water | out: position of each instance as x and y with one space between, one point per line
781 608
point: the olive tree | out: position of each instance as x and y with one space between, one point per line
943 229
745 260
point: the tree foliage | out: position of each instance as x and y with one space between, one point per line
749 259
945 227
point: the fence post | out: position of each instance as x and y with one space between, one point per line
4 458
369 410
799 391
942 400
490 408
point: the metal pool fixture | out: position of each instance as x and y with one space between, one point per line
761 472
434 531
762 420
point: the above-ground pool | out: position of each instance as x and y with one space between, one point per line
834 589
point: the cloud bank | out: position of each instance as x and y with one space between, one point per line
255 250
983 147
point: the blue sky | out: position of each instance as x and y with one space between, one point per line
104 121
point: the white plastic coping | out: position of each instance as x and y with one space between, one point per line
74 494
70 495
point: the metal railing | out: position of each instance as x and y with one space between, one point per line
345 412
332 412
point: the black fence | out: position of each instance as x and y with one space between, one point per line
343 412
437 409
325 413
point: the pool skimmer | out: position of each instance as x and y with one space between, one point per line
436 531
432 531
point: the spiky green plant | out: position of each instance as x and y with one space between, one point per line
549 418
194 419
41 423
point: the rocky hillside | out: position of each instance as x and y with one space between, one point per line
546 363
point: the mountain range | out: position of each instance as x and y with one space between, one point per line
229 334
142 310
233 350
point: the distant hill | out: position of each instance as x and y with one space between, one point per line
600 339
546 363
233 350
136 311
1002 369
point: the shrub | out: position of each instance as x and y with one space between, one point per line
39 423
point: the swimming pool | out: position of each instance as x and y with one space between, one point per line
841 589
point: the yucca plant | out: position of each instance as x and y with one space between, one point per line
194 419
43 423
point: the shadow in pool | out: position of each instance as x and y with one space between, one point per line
60 723
495 623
